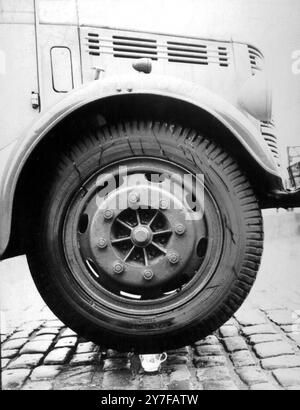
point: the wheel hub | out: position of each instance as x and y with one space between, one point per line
141 236
147 248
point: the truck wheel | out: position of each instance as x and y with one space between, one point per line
134 273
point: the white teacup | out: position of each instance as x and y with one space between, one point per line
151 362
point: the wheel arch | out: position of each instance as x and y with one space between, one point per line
159 98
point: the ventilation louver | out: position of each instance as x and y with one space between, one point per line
194 52
268 132
197 53
256 59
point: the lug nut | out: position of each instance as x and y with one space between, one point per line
163 204
180 229
134 198
108 214
148 274
102 243
173 257
118 268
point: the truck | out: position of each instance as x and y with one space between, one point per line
134 168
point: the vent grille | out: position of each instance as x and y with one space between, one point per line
268 132
195 52
130 47
93 43
256 59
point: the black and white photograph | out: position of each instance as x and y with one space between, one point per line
150 198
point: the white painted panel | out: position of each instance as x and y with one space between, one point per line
18 78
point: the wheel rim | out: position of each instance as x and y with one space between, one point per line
135 257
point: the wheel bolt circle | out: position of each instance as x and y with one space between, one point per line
180 229
148 274
102 243
108 214
173 257
118 268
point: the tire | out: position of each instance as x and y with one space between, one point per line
229 255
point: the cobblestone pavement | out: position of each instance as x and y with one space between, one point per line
258 349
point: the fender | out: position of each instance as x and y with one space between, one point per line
19 151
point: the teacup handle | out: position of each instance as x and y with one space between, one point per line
164 357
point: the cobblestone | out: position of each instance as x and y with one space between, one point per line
25 361
75 378
48 331
288 328
4 363
43 338
8 354
251 375
208 341
264 338
14 379
264 387
242 359
220 385
213 350
67 342
13 344
247 317
177 359
272 349
281 317
21 335
57 324
37 346
115 364
87 347
295 337
259 329
45 373
68 333
213 374
287 377
180 379
152 382
119 380
281 362
229 331
38 385
235 344
58 356
209 361
85 358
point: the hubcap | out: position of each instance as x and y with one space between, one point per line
145 249
141 235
